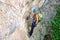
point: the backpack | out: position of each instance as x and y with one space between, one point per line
39 17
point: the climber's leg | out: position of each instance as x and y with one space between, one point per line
32 28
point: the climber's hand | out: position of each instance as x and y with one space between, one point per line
27 18
36 22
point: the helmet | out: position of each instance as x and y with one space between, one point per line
35 10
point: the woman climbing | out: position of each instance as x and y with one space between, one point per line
35 19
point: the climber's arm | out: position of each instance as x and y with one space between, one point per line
29 17
36 19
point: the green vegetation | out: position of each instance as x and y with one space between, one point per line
56 25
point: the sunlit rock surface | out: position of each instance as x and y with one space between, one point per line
12 24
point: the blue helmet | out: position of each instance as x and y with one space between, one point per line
35 10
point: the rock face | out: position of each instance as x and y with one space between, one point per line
14 12
12 23
49 11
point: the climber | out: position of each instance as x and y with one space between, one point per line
35 19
